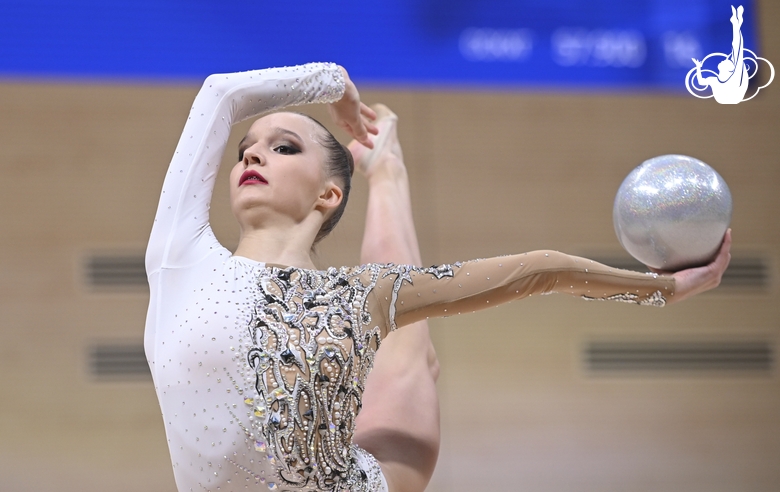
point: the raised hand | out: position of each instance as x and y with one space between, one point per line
352 115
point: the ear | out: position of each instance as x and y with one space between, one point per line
330 198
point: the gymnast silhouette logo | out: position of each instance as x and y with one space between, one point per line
730 84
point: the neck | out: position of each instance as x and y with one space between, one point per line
282 246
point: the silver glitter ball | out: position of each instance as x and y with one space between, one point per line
672 212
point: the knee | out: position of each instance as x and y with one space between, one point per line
409 459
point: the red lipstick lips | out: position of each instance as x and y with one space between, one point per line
251 177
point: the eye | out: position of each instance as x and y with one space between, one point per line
286 149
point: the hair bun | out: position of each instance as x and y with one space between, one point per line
350 160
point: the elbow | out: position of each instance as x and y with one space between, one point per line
555 257
217 83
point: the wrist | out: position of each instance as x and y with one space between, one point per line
343 81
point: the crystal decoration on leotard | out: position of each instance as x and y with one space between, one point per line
305 357
656 299
335 92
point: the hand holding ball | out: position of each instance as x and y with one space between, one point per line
672 212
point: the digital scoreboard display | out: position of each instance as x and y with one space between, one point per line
637 44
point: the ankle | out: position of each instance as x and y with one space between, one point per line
387 167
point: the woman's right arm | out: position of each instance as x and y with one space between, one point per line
181 234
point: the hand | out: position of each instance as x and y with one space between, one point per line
696 62
694 281
352 115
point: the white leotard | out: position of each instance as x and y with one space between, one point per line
260 369
197 287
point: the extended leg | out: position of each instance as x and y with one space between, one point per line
399 423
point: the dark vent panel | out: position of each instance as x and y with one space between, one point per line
116 361
125 271
664 357
747 272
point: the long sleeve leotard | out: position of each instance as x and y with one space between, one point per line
260 368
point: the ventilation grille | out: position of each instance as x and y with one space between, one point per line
111 362
742 273
126 271
665 357
747 272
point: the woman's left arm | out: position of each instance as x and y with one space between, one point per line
408 294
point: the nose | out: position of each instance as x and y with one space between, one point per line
252 156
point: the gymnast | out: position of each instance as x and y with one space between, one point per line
260 360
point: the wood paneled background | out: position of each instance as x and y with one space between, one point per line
81 166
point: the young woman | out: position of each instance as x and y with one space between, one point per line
259 359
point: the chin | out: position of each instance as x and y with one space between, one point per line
245 206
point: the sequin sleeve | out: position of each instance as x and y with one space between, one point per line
407 294
181 234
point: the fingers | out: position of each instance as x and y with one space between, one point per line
365 141
716 268
367 112
361 135
372 128
363 128
724 254
358 130
697 280
726 246
368 115
354 116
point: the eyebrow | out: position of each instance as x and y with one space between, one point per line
284 131
246 142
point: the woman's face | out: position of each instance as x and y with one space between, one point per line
281 173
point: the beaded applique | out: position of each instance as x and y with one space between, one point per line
367 475
335 92
304 358
655 299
